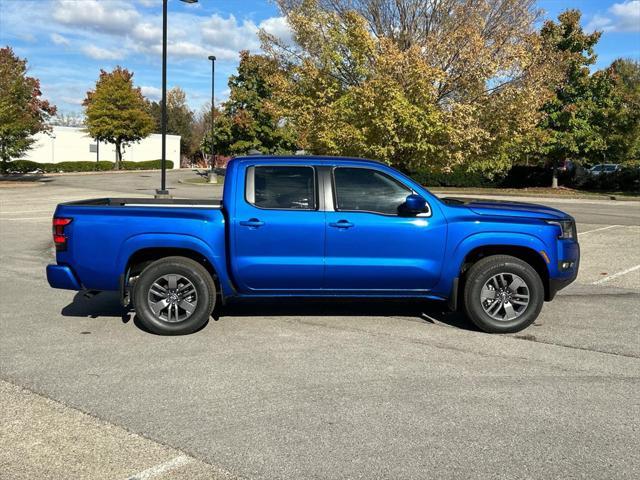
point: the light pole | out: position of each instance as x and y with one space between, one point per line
163 192
213 178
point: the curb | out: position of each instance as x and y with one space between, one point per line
205 184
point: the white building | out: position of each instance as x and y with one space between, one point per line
73 144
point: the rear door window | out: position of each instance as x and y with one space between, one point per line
281 187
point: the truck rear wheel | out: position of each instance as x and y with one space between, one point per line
174 296
503 294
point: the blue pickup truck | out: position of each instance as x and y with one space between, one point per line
315 227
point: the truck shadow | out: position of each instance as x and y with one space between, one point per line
107 304
414 310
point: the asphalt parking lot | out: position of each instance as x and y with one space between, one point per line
323 390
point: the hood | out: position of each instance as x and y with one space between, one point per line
507 209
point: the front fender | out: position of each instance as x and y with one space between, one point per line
456 256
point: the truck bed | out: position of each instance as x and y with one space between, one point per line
147 202
104 233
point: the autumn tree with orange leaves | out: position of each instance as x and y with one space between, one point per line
415 83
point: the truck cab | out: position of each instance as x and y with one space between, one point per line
316 227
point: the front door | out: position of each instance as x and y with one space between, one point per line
371 246
278 230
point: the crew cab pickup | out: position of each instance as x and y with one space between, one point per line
315 227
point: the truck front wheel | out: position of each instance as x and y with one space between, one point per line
174 296
503 294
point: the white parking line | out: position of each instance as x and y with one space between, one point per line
599 229
26 218
616 275
162 468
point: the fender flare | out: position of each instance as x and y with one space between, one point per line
173 240
452 267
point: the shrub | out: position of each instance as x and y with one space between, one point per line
23 166
522 176
26 166
455 178
146 165
83 166
626 179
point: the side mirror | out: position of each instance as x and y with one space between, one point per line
414 204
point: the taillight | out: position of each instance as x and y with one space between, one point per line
59 237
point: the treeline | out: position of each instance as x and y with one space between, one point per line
433 87
464 88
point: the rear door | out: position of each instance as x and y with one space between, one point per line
278 229
371 246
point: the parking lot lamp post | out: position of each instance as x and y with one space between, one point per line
163 174
213 178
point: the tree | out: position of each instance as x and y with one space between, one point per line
116 112
571 117
249 121
201 140
464 91
180 118
622 125
23 112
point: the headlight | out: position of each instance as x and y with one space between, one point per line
567 228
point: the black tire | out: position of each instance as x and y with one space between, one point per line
482 272
204 297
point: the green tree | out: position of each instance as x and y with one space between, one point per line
23 112
222 134
180 118
249 121
622 121
572 117
116 111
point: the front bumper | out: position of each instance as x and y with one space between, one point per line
61 276
568 251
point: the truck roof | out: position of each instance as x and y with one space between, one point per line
307 158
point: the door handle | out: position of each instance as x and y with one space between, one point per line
341 224
252 222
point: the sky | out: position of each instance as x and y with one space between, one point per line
67 42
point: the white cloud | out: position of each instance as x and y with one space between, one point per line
99 53
147 32
227 34
105 17
620 17
150 3
187 49
72 100
278 27
59 39
130 32
153 93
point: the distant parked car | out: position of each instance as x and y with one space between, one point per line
604 168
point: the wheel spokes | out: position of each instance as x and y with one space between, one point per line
487 293
504 296
157 307
510 313
172 298
516 283
172 282
187 306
